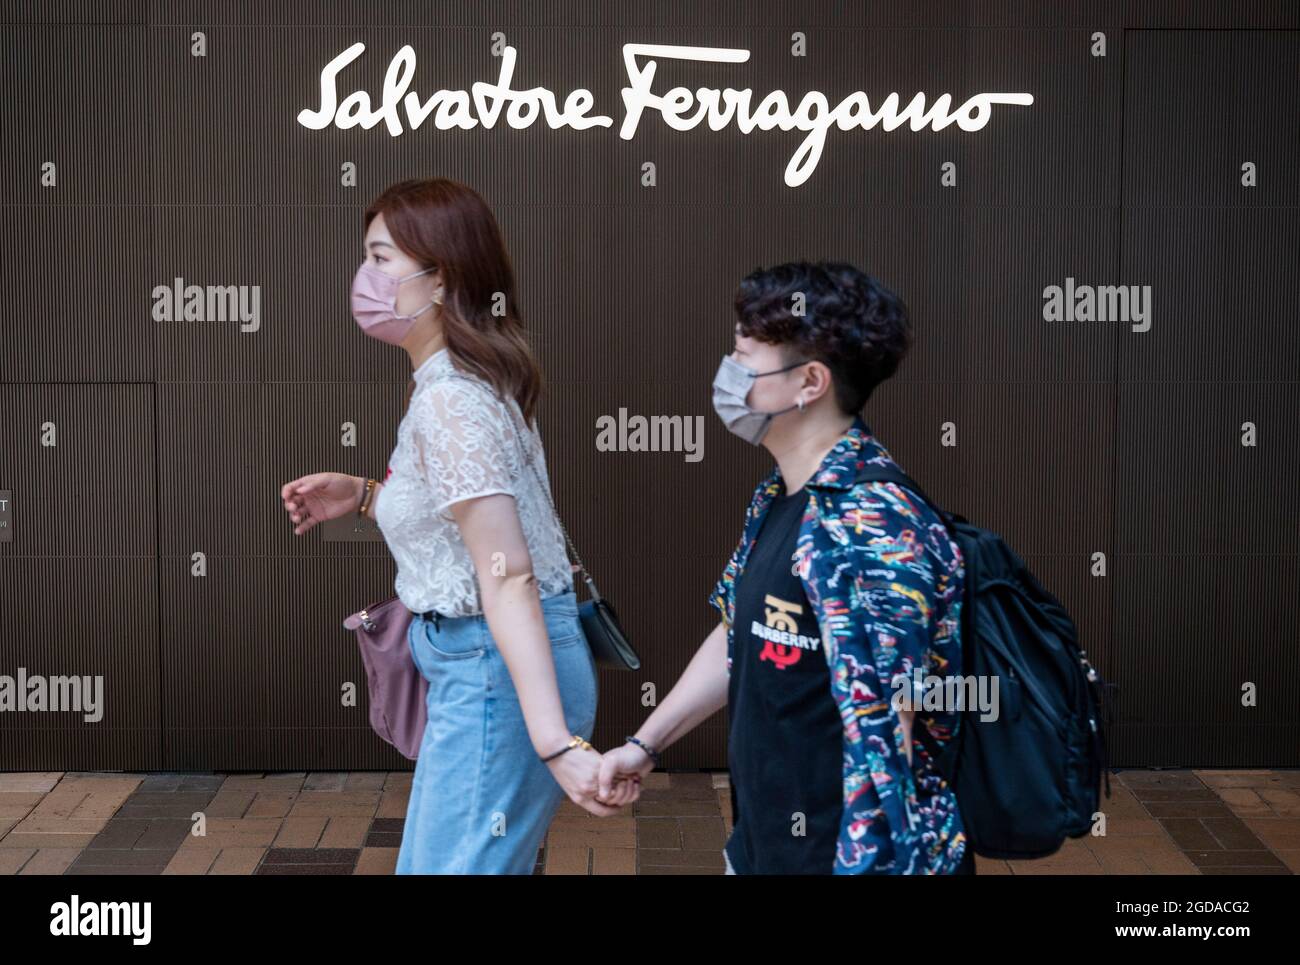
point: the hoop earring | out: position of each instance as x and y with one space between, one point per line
799 402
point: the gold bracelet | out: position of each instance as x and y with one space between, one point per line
365 499
574 741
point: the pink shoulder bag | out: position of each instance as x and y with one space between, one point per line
398 711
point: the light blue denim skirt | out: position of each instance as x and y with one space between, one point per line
481 798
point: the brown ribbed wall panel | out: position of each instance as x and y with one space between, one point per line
76 265
254 655
1205 565
1072 439
78 579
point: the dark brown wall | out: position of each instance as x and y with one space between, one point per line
1072 439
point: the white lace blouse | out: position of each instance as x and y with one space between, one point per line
459 440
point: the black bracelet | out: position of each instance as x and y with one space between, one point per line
567 747
654 755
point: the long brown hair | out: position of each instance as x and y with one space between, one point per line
444 224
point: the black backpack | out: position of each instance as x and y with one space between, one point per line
1028 779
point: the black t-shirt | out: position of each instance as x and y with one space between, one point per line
785 744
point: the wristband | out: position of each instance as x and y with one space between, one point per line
654 754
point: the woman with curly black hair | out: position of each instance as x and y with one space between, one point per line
840 607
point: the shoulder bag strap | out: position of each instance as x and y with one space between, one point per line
546 490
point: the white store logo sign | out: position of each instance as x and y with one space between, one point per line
681 108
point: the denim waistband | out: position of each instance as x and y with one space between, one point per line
568 600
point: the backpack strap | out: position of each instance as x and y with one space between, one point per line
876 473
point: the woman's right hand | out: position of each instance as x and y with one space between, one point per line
320 496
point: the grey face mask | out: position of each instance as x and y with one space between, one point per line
730 390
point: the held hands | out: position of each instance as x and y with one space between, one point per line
320 496
624 766
601 783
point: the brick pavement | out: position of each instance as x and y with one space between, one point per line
1158 822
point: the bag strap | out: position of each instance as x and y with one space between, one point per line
893 474
544 485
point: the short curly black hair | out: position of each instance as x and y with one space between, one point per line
849 321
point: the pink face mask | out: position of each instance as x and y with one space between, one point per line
374 304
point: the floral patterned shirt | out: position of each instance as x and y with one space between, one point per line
885 582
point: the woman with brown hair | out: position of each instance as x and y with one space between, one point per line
481 560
